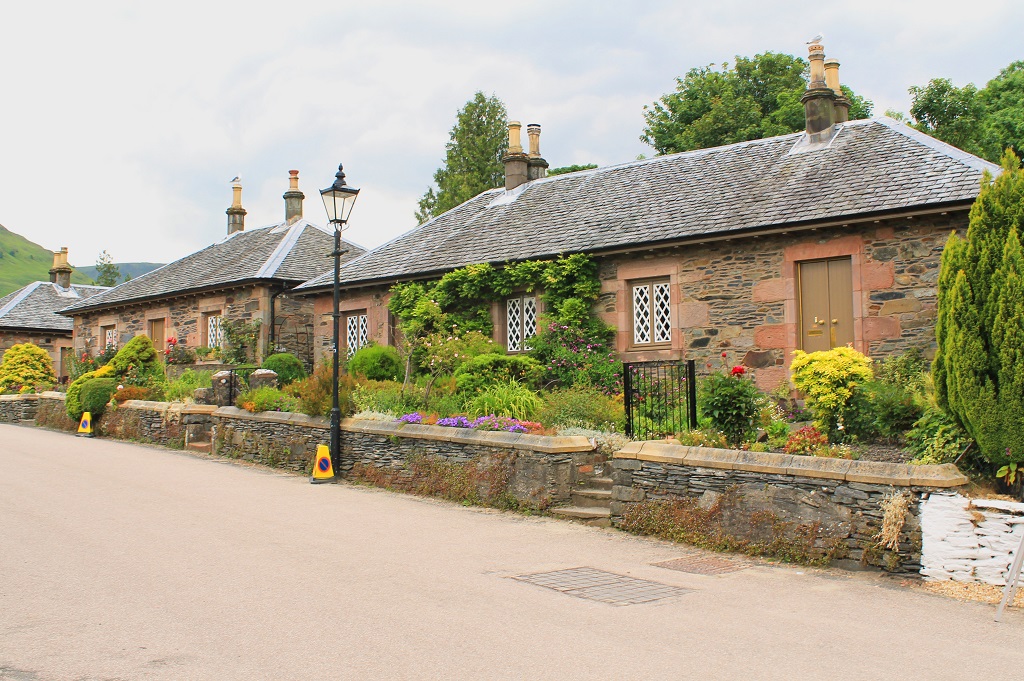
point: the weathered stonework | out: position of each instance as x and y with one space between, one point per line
839 499
18 408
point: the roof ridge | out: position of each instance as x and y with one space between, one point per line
284 247
22 295
959 155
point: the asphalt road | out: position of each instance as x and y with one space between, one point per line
120 561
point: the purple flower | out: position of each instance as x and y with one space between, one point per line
414 417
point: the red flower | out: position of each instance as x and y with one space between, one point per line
739 371
724 354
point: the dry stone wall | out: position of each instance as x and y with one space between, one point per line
970 540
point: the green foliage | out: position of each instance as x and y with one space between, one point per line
23 262
138 363
807 441
703 437
387 396
25 365
778 434
570 169
96 393
582 406
512 400
181 389
980 323
107 273
981 121
880 409
72 399
476 145
936 437
491 369
579 354
730 401
829 379
758 97
315 393
287 366
266 398
377 363
240 340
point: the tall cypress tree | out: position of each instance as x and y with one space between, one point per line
979 364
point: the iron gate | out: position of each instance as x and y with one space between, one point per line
660 398
238 382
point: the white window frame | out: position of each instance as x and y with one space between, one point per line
356 331
109 336
521 322
214 330
651 312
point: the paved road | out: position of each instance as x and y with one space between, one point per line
120 561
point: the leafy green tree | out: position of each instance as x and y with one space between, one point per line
1003 99
570 169
950 113
757 97
980 325
478 141
107 273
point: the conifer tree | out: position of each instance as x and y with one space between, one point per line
979 364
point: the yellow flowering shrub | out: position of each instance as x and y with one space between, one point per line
829 379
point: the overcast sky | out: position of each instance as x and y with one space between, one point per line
123 123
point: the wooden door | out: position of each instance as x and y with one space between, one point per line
156 333
826 304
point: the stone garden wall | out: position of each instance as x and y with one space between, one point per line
18 408
831 506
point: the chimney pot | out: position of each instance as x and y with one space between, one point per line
293 198
537 166
516 162
842 104
515 144
819 99
236 214
60 273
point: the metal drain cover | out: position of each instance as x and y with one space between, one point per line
606 587
702 565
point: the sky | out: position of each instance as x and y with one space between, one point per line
123 123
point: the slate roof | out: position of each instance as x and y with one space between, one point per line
35 307
870 166
290 254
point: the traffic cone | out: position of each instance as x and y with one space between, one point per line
85 426
323 471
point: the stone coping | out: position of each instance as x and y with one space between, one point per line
872 472
285 417
27 397
150 405
193 408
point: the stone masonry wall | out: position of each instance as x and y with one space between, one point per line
18 408
836 498
970 540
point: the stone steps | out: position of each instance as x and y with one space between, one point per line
204 447
591 498
597 517
600 483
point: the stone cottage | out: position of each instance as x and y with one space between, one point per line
31 314
245 277
811 240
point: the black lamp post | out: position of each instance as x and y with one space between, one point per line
339 199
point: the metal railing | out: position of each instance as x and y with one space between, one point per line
660 398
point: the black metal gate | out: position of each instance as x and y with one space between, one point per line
660 398
238 383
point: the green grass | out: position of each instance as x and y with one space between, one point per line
22 262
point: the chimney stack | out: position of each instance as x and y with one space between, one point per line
293 198
819 99
236 214
515 160
842 104
60 273
537 166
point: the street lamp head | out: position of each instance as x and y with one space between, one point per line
339 199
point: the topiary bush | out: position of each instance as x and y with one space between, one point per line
287 366
377 363
829 379
484 371
72 400
96 393
138 363
25 365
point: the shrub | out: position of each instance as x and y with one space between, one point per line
730 401
512 400
583 407
936 437
703 437
25 364
132 392
377 363
906 369
884 410
829 379
138 363
72 400
176 353
314 394
808 441
96 393
181 389
287 366
484 371
387 396
778 434
267 399
579 354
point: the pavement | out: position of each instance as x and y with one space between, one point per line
122 561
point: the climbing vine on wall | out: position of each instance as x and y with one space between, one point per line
241 339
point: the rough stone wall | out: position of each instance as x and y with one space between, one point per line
293 327
740 296
145 421
373 300
18 408
51 342
283 440
970 540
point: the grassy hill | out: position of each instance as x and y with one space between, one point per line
132 269
22 262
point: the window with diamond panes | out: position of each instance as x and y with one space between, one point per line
109 336
214 331
652 313
357 332
521 318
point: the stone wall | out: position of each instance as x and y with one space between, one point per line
18 408
970 540
835 502
282 440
